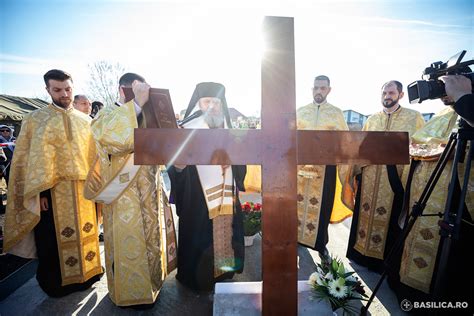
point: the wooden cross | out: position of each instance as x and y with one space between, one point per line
279 148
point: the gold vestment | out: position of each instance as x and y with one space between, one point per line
54 151
376 193
421 246
311 177
133 238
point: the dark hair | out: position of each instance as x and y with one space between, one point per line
56 74
128 78
97 105
395 82
323 77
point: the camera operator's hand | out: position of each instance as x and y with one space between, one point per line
456 86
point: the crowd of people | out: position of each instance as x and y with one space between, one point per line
73 165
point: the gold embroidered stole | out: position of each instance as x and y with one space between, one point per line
310 190
76 232
217 191
421 246
374 211
310 182
377 196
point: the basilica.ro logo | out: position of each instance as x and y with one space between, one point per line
406 305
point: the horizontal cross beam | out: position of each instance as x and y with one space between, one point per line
248 147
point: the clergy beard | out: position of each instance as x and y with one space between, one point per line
318 98
214 121
63 102
388 103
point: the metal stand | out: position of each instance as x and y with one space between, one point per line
450 224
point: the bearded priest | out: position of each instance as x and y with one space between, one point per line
47 215
380 190
211 236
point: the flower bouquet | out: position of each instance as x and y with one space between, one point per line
252 218
333 283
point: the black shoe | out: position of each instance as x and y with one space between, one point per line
101 237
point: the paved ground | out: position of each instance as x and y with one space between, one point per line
175 299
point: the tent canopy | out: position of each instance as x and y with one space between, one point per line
14 108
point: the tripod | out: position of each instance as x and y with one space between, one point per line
451 222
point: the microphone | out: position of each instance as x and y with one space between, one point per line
193 116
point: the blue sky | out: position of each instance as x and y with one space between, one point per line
176 44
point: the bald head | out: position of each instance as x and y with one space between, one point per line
82 103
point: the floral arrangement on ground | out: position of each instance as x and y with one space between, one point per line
331 282
252 218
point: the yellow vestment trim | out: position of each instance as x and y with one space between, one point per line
377 196
310 180
49 149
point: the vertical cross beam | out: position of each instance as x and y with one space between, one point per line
279 169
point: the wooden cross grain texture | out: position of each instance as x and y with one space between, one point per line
279 148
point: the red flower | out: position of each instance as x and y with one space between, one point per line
257 207
246 207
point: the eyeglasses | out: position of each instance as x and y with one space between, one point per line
4 130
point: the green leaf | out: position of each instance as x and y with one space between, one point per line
348 274
340 270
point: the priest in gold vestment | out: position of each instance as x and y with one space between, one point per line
422 248
47 215
316 184
380 191
134 253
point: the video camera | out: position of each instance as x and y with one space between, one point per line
431 87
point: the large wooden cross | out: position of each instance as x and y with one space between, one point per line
279 148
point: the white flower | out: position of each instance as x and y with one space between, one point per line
329 276
313 278
337 288
318 269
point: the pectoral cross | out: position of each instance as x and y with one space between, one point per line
279 147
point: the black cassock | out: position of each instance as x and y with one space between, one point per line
48 273
195 233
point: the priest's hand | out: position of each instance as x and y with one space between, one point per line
179 168
44 206
141 90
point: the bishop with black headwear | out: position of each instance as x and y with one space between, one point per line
211 243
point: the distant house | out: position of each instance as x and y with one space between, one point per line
13 109
427 116
354 119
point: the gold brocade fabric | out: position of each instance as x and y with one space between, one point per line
253 179
421 246
311 177
76 232
376 194
134 249
54 151
431 140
